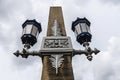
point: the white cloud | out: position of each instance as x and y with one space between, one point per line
107 62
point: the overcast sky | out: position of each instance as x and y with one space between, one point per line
104 16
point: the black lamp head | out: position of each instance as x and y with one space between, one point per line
81 27
31 30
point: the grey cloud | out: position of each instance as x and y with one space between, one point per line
107 74
81 2
23 63
76 3
10 21
10 26
107 68
8 9
111 1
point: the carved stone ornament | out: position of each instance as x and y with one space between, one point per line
56 61
56 45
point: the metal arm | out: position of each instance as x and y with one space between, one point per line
88 51
25 52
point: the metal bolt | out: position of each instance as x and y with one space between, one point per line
89 57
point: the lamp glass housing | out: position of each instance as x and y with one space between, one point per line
81 28
31 30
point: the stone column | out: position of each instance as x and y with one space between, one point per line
65 72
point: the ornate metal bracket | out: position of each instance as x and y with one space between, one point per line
88 51
25 52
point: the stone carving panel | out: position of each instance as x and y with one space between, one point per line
56 44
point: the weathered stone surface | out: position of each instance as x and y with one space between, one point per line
56 13
65 71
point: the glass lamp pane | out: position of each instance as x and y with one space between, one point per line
84 27
37 34
76 33
77 29
88 29
23 32
34 31
28 29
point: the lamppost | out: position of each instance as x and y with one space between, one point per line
58 45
